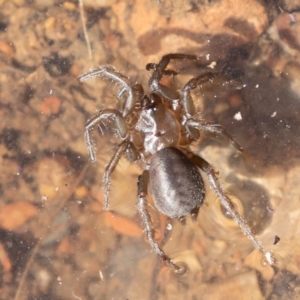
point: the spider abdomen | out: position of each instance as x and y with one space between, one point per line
176 184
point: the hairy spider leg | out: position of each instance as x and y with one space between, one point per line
125 146
121 149
214 128
159 70
143 182
189 109
185 95
134 91
187 101
227 204
103 115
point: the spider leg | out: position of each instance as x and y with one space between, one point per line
189 109
159 71
227 204
134 91
185 96
103 115
153 66
125 146
165 60
214 128
148 226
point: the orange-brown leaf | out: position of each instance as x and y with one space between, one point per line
7 48
16 214
50 106
4 259
122 225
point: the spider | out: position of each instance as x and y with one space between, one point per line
157 130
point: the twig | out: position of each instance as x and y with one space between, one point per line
87 40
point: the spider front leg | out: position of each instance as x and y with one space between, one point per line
143 181
159 71
134 92
227 204
185 96
154 66
189 110
104 115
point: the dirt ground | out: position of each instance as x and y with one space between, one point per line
56 242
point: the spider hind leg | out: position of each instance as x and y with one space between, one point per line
143 181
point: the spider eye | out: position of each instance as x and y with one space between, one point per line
152 106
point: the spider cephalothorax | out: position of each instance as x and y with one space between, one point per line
158 129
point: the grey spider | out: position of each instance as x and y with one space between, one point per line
157 129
